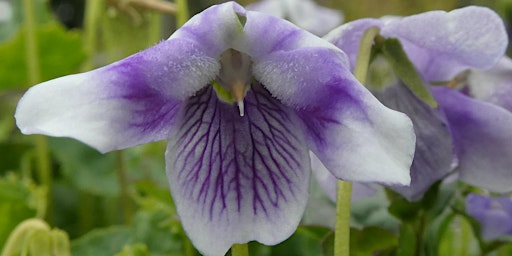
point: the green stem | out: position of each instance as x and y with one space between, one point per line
155 28
44 171
34 77
342 228
17 238
182 14
123 185
240 250
189 248
344 189
34 72
364 54
92 14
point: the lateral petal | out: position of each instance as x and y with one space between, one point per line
352 133
493 85
482 138
130 102
442 44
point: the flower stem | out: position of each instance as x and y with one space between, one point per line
34 77
240 250
123 184
342 229
92 18
182 13
17 238
343 188
364 54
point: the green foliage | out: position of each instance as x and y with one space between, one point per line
19 200
60 54
368 241
405 70
119 203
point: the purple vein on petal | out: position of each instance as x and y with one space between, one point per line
222 157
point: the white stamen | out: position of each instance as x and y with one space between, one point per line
240 104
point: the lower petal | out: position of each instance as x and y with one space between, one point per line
235 179
482 137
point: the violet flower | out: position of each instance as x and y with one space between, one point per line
304 13
493 213
241 97
463 132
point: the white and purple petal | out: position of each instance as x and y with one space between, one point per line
494 214
433 158
442 44
351 132
237 179
328 182
493 85
127 103
304 13
482 138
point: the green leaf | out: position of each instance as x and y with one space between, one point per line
41 12
153 227
134 250
19 200
435 231
12 154
407 241
305 241
405 70
125 34
85 167
60 53
459 239
370 240
403 209
102 242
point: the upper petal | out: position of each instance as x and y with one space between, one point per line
493 85
482 138
215 29
443 44
352 133
304 13
127 103
236 179
264 35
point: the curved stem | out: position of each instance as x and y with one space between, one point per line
364 54
18 235
91 21
182 13
344 189
123 184
240 250
34 77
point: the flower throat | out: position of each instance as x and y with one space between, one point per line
234 78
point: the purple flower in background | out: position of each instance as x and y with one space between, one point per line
241 97
493 213
304 13
462 132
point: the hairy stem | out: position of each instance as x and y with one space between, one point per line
344 189
240 250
